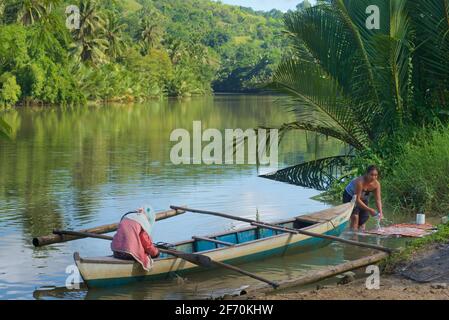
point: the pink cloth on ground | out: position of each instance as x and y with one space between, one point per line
405 230
132 239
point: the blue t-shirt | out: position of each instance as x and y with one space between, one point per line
351 187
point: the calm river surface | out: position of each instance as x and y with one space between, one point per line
79 167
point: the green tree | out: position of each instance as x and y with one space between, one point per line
9 92
27 12
364 86
49 36
114 35
90 40
208 44
151 29
13 48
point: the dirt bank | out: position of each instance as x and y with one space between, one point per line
391 288
423 276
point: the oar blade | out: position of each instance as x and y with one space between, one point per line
198 259
202 260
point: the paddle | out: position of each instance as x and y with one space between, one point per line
197 259
284 229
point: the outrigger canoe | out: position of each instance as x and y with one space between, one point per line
233 247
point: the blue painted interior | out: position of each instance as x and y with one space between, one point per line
236 238
246 236
231 238
201 245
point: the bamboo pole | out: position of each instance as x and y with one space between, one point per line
284 229
324 236
107 228
315 276
228 244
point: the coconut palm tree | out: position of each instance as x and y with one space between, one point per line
114 35
150 30
49 32
90 39
150 35
361 85
27 12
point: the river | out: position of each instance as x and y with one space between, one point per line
77 167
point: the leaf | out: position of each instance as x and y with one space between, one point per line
318 101
318 174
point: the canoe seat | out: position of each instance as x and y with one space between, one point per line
301 222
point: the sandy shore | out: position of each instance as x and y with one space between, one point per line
429 269
391 288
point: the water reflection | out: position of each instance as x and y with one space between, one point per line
76 167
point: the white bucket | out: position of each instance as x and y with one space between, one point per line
420 218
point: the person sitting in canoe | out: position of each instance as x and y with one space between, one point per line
362 187
133 238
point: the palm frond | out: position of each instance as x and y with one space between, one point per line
316 98
353 15
430 20
321 36
318 174
323 130
392 58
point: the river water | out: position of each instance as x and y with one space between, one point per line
80 167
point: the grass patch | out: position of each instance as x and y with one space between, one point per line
419 181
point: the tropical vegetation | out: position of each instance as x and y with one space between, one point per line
372 89
420 180
132 49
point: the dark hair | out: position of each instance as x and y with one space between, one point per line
372 168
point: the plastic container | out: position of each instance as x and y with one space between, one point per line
377 219
420 218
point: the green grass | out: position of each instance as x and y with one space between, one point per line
419 181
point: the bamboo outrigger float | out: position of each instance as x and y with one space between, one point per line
58 238
246 244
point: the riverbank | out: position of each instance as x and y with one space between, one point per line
418 272
392 287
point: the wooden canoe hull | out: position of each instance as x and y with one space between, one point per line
107 271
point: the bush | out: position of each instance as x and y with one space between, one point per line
420 180
9 90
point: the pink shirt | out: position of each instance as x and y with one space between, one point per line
131 238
